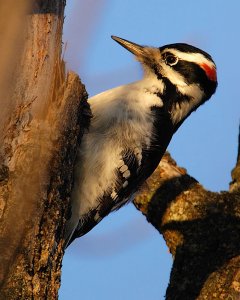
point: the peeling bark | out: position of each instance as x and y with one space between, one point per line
41 136
201 229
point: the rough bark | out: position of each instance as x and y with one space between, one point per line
40 138
201 229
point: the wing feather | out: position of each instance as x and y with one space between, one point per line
136 164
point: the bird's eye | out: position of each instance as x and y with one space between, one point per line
170 59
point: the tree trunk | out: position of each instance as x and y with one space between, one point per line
39 138
201 229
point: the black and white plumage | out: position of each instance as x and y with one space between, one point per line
132 126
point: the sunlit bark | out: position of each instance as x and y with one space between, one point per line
201 229
40 133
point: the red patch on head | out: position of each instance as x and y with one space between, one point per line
210 71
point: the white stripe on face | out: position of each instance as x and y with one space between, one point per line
197 58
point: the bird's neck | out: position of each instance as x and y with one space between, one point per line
177 100
150 85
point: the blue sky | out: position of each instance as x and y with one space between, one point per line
124 257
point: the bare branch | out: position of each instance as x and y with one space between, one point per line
201 229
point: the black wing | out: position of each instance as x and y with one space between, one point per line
137 165
112 198
151 154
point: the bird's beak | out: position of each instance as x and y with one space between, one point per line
136 49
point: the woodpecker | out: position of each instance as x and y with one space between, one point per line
132 126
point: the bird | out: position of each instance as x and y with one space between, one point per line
132 126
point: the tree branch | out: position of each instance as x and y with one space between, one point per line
201 229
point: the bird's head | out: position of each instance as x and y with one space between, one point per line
188 74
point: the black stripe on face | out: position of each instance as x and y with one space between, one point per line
171 94
194 74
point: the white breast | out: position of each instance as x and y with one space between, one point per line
121 119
